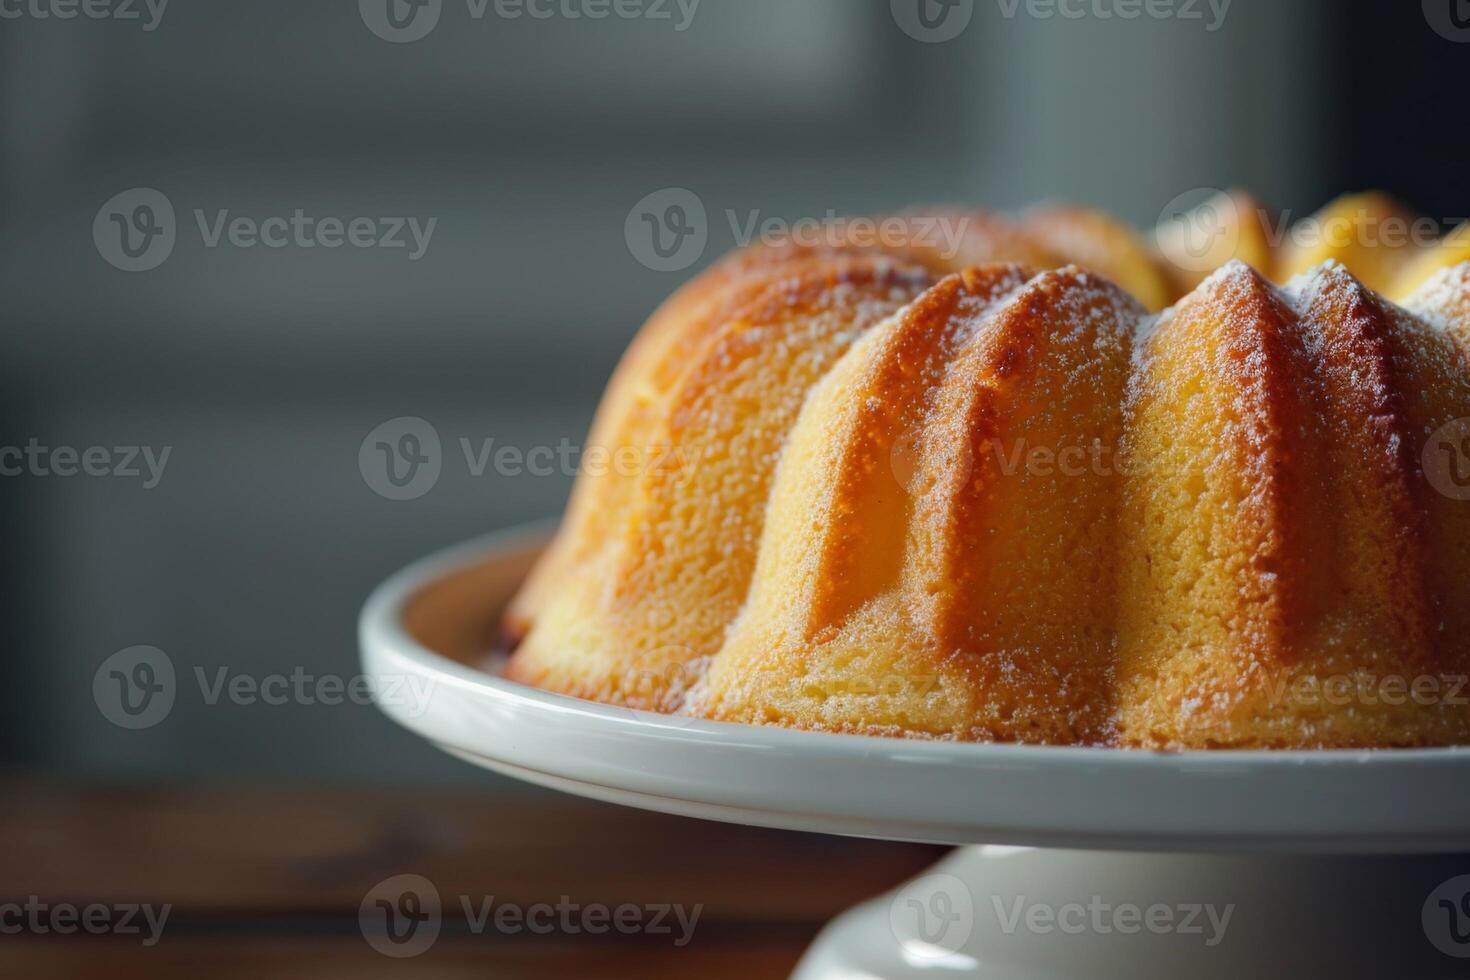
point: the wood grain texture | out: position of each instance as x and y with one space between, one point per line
267 881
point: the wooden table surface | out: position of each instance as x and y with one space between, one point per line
267 882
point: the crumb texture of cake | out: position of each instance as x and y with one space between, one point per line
660 545
1009 493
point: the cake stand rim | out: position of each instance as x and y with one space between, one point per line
639 756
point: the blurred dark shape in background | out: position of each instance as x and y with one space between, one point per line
527 141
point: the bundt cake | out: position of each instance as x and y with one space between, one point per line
994 496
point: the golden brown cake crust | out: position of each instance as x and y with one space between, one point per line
1002 504
661 563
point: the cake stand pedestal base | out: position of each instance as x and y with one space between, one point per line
1227 910
1009 913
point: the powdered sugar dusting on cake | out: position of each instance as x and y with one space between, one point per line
1271 411
1444 300
1301 289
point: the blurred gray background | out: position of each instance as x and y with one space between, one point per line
529 141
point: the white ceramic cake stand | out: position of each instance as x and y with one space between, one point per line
1075 863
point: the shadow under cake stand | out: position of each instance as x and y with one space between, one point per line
1072 862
